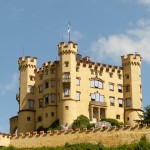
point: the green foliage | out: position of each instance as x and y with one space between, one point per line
55 125
113 122
81 122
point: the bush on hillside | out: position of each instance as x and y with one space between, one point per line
113 122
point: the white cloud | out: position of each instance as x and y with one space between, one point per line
133 40
144 1
11 85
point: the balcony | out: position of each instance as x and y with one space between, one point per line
18 97
95 103
66 80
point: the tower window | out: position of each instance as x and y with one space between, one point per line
127 88
46 72
46 99
31 104
52 98
66 91
52 71
31 78
66 63
31 89
40 77
66 75
77 69
46 84
46 115
111 75
28 118
119 76
52 83
52 114
40 88
127 76
120 88
112 101
66 107
40 103
78 96
117 116
97 84
77 81
128 102
39 118
111 87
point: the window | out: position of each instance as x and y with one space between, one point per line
52 98
127 76
40 88
31 78
31 104
52 114
52 83
111 75
111 87
78 96
40 103
119 76
46 115
77 69
77 81
66 91
100 73
112 101
120 101
31 89
28 118
66 63
127 88
40 77
128 102
52 71
46 72
66 107
120 88
97 97
46 99
117 116
46 84
39 118
66 75
97 84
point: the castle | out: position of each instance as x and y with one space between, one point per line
73 86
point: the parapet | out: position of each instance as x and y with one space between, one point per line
70 48
27 62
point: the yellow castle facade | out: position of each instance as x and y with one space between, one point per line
72 86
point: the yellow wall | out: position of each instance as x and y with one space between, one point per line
4 140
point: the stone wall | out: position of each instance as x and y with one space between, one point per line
109 137
4 140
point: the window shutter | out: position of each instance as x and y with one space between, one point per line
101 98
100 85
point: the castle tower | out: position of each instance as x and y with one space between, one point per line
26 116
132 92
67 110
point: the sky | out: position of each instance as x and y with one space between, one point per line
103 29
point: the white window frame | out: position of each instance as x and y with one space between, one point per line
66 91
100 85
112 101
120 102
78 96
111 87
102 98
52 97
128 102
77 81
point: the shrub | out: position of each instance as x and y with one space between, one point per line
113 122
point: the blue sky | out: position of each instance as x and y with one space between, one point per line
103 29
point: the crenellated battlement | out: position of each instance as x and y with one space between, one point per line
67 49
99 66
27 61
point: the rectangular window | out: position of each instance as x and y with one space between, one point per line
66 75
92 83
31 78
46 99
117 116
52 114
128 102
127 76
112 101
127 88
46 84
52 83
31 104
40 88
100 85
119 76
31 89
46 72
120 88
66 91
40 103
97 97
66 63
77 81
77 96
111 87
101 98
92 96
96 83
120 101
52 97
52 71
40 77
111 75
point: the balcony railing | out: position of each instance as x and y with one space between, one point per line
104 104
18 97
66 80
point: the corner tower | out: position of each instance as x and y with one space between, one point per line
26 116
132 91
67 111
